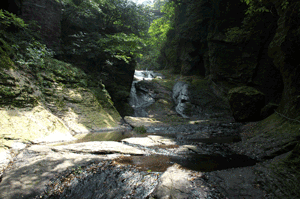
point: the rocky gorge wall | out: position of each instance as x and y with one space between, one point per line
216 39
247 57
51 103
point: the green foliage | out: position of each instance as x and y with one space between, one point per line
100 30
8 20
158 4
18 44
236 34
261 5
284 5
157 35
34 53
120 45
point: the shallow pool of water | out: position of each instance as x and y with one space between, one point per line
197 162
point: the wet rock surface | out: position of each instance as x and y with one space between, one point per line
103 180
195 98
165 162
142 92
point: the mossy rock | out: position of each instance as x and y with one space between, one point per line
246 103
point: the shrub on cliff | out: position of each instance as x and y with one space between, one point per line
8 23
19 44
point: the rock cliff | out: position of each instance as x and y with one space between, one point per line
227 46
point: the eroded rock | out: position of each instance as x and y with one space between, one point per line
103 180
177 183
195 98
34 167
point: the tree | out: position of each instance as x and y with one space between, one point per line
157 34
99 30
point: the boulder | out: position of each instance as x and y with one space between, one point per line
177 183
246 103
181 98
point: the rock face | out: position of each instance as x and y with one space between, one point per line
181 97
196 98
268 110
283 49
13 6
47 13
246 103
39 104
228 47
118 84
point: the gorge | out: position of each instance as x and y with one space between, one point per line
216 116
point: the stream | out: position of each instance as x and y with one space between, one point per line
168 161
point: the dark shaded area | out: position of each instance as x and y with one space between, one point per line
196 162
216 39
13 6
103 180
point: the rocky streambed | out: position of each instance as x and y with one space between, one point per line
183 161
204 156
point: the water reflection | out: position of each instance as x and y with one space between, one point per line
197 162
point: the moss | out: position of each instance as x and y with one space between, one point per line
199 84
5 61
285 173
52 87
246 90
140 129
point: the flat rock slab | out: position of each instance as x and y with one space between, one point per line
142 121
144 141
35 166
178 183
101 147
151 140
162 140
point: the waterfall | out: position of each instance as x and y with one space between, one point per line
140 99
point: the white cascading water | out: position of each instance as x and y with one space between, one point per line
139 99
